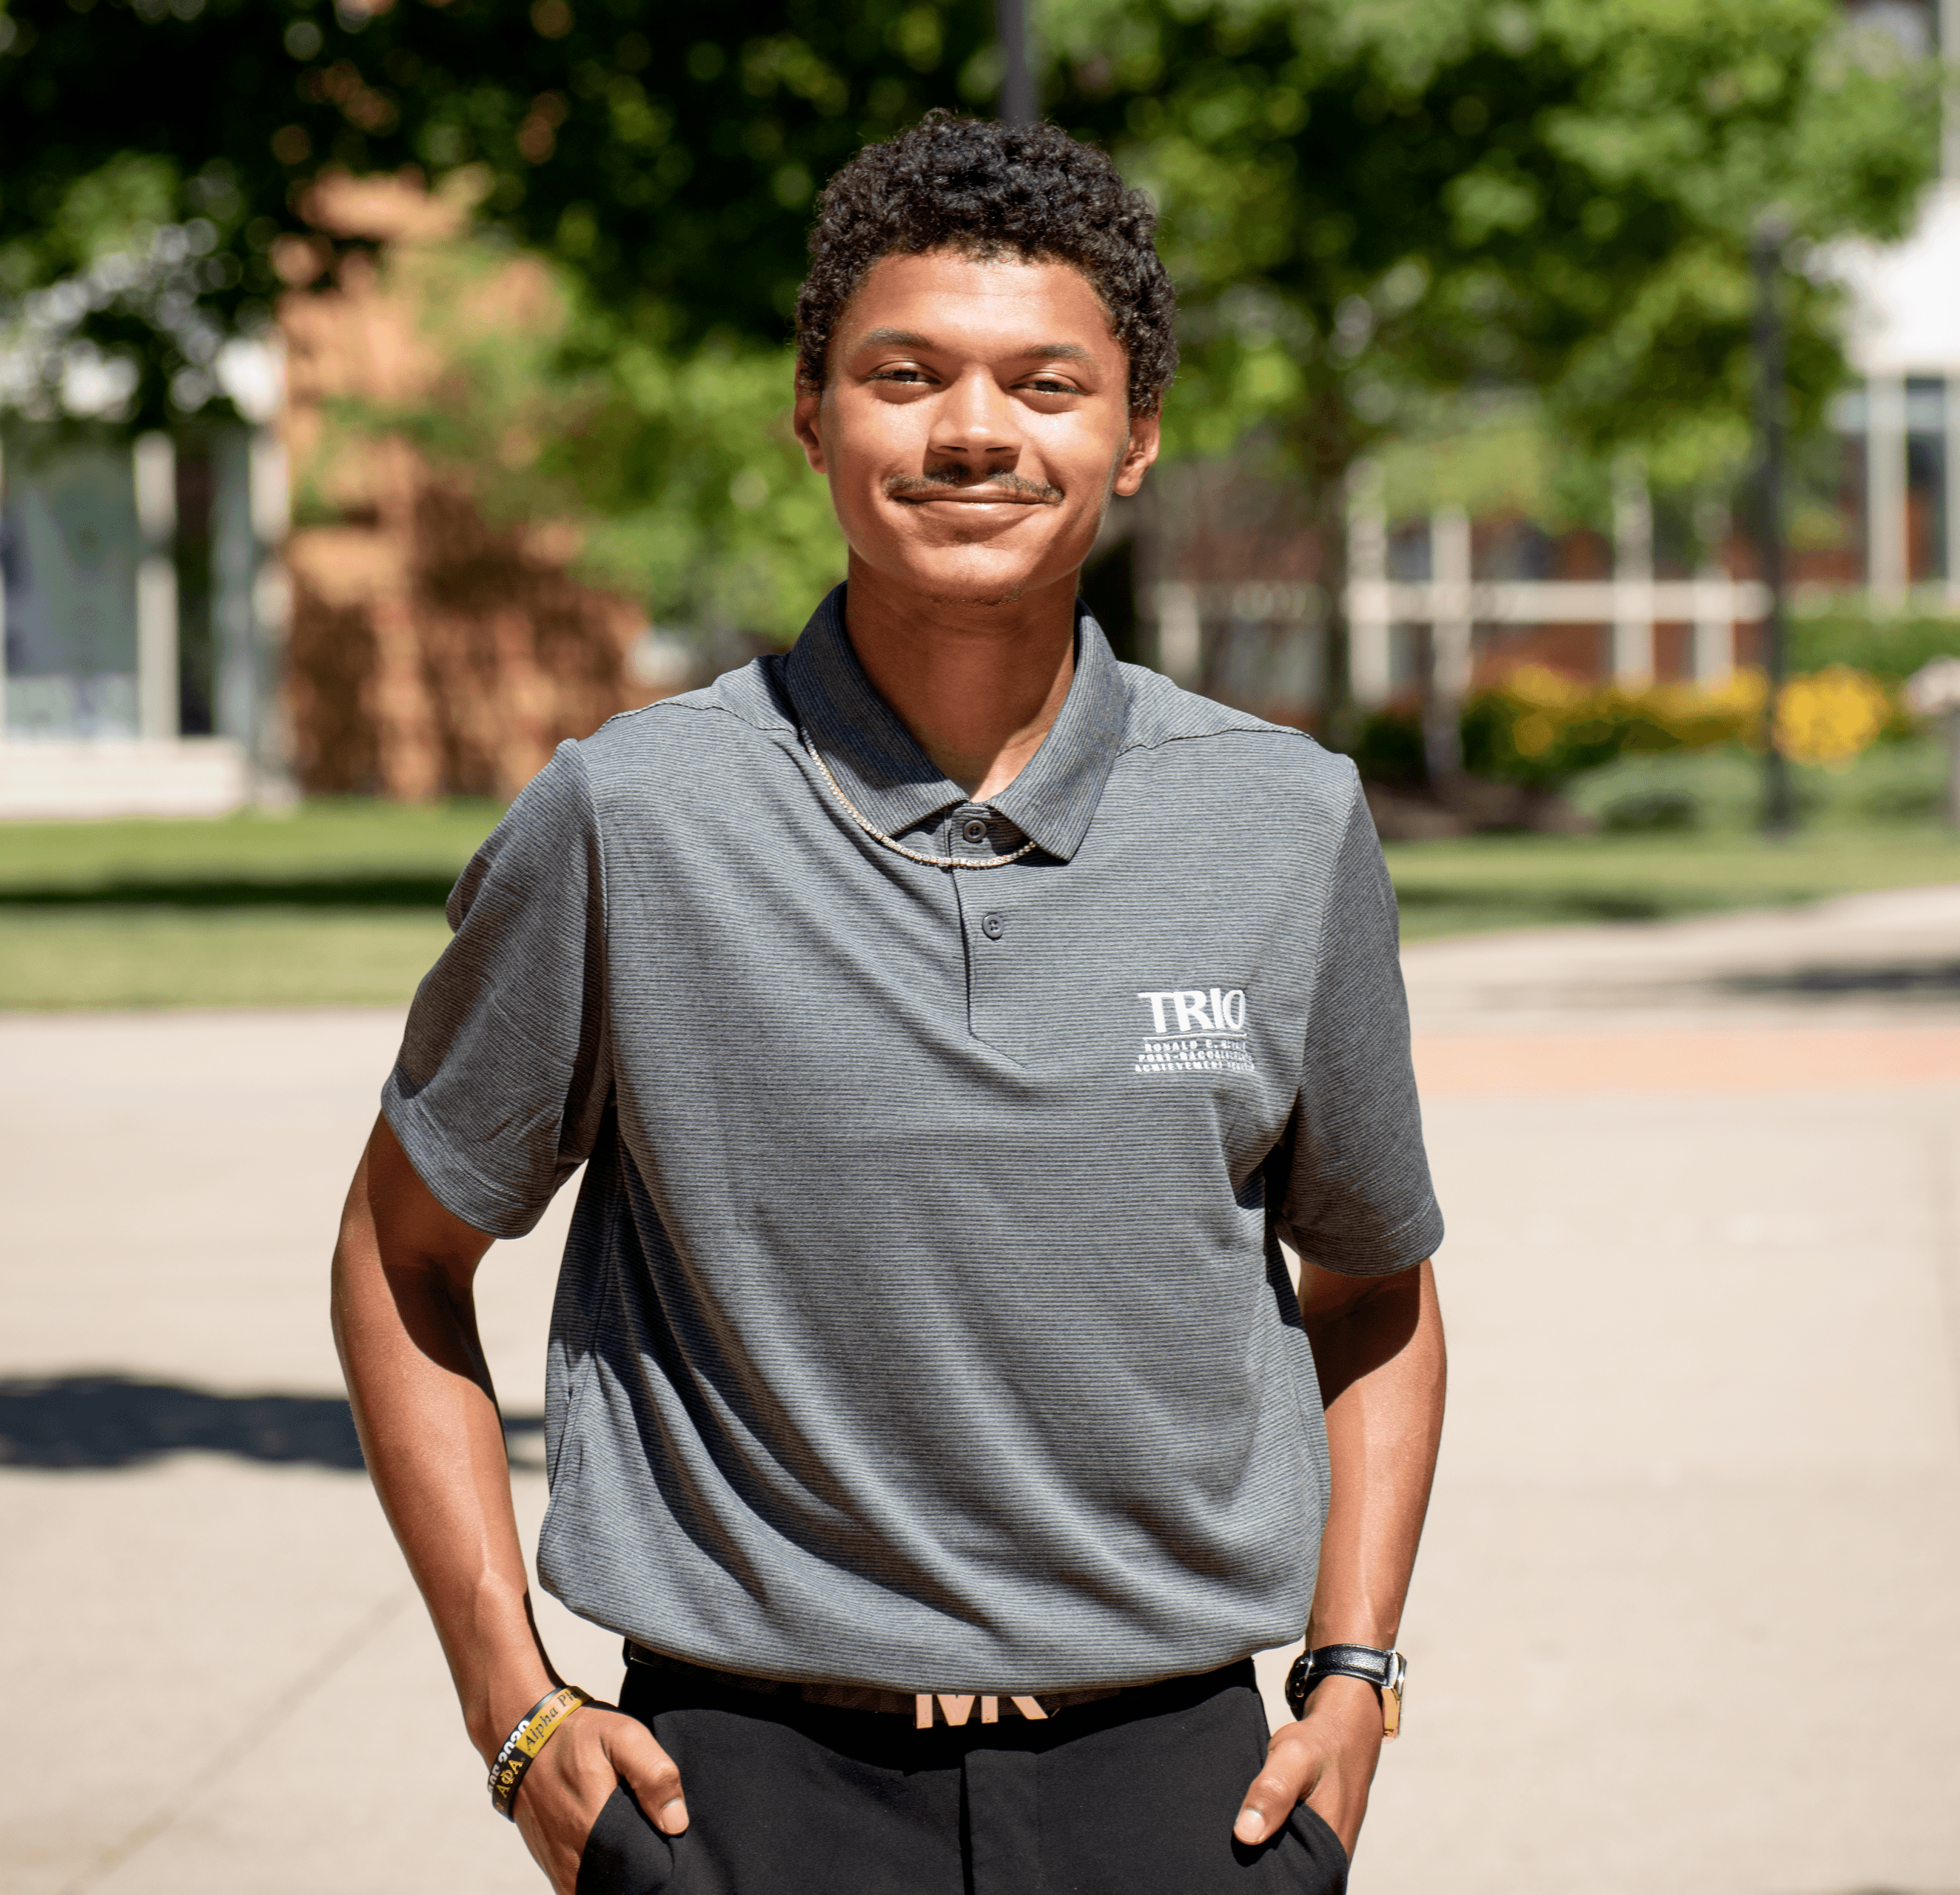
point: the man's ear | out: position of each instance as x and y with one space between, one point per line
803 420
1146 436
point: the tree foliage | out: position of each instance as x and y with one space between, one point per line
153 151
1368 199
677 472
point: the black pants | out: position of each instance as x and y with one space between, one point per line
1132 1795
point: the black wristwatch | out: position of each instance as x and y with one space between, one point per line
1385 1670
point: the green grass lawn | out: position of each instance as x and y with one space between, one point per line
112 956
1530 881
335 904
1872 823
357 853
341 903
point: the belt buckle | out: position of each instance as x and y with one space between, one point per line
957 1707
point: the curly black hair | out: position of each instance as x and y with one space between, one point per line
984 188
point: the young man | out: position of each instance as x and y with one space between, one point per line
951 1022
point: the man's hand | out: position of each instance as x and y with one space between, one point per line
1327 1759
593 1751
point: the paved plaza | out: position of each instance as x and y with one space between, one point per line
1687 1615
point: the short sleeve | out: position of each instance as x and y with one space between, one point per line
503 1076
1356 1196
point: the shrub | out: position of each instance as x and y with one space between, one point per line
1650 812
1830 715
1537 728
1389 749
1892 649
1540 728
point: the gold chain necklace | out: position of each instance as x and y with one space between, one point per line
877 835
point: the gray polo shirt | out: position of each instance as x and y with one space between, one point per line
922 1322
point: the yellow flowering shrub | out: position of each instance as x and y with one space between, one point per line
1830 715
1538 726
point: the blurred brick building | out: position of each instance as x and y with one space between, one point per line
175 644
431 652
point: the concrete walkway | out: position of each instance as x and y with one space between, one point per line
1687 1615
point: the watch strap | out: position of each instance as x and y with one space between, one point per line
1361 1661
1383 1670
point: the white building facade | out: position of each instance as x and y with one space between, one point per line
144 648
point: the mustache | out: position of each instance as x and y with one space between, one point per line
935 483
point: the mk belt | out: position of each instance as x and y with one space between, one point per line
925 1708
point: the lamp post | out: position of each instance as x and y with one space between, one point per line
1017 82
1772 236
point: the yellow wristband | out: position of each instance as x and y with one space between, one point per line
534 1730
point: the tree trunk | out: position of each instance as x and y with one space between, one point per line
1326 449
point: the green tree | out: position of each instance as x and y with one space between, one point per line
152 151
154 154
676 470
1368 200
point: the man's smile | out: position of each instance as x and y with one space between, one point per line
1005 489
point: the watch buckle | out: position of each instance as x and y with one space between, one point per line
1391 1696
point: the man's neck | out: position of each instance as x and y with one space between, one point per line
979 685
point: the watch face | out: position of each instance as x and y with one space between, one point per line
1296 1685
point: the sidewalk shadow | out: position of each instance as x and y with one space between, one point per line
74 1421
1905 979
385 889
1532 906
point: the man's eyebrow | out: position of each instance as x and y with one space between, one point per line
910 338
893 338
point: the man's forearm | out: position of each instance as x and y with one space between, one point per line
1381 1364
1378 1351
404 1323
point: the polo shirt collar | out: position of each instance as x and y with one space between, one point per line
896 786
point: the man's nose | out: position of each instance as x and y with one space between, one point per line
977 420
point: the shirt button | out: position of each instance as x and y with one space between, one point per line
975 830
992 926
